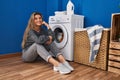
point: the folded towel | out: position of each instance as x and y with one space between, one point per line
94 34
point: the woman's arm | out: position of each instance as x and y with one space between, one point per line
50 32
46 24
40 40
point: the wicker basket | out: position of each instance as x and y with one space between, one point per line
82 49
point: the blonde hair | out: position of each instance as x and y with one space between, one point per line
29 26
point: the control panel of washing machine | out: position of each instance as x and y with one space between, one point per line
59 19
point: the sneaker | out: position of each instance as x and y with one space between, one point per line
62 69
68 65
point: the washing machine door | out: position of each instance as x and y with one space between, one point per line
61 35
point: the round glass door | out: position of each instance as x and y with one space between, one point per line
61 36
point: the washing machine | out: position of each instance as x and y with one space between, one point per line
64 27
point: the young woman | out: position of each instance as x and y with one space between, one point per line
39 41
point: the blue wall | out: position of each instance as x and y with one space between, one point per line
95 11
14 16
52 6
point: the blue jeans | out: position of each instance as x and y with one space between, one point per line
34 50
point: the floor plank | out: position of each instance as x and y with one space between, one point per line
15 69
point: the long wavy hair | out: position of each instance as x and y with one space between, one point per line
29 26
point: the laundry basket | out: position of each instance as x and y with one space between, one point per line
82 49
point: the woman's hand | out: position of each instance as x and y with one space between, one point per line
50 40
43 22
46 24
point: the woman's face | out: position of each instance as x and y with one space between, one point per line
37 20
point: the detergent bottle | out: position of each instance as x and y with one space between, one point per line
70 8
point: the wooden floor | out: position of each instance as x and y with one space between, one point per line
14 69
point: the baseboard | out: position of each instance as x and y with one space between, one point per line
10 55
